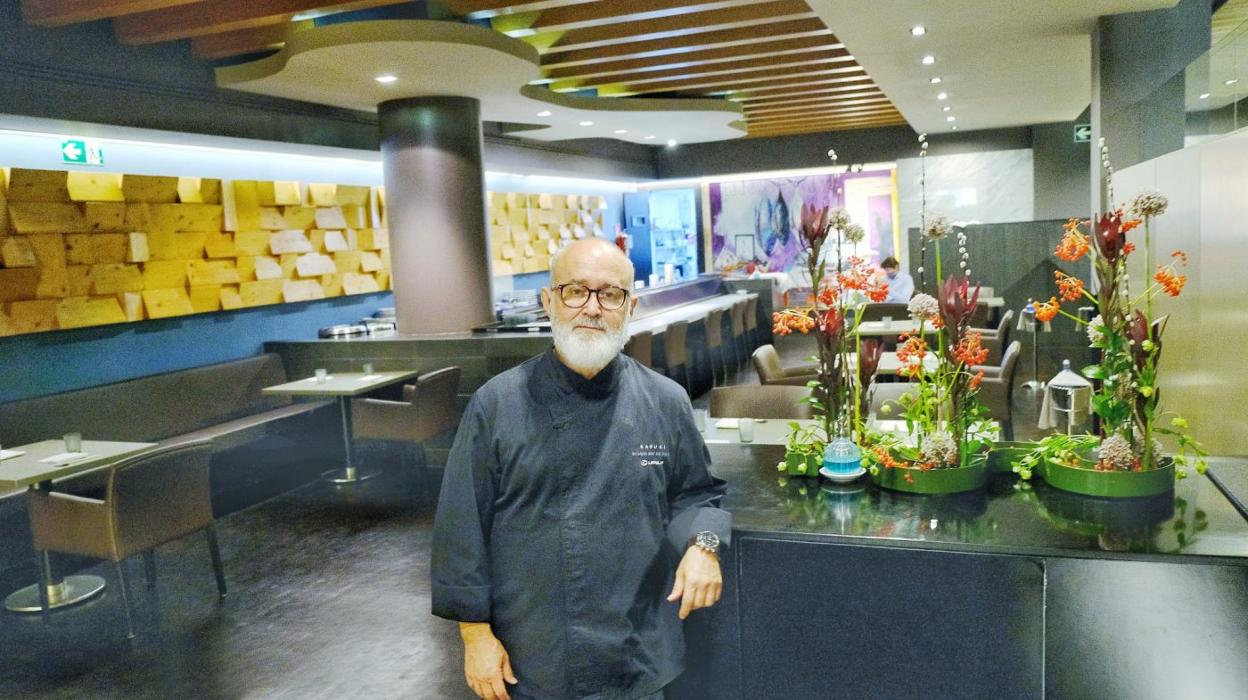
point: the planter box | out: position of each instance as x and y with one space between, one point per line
1103 484
935 481
1003 454
799 464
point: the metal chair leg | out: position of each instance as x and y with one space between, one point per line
125 598
215 551
149 568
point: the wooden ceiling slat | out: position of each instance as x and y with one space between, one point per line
710 57
789 88
676 26
559 57
485 9
58 13
273 36
186 21
841 93
833 119
879 99
852 113
828 126
580 16
773 63
735 82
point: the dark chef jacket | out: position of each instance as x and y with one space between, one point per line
565 508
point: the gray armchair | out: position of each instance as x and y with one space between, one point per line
770 371
997 390
427 409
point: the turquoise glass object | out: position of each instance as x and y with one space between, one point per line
842 456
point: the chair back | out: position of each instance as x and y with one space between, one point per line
997 392
715 328
737 316
675 349
1006 327
767 364
888 394
159 496
641 348
877 311
760 402
751 314
980 315
433 397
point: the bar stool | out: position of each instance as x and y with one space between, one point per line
640 347
676 352
736 317
751 324
715 345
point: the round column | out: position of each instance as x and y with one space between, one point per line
435 197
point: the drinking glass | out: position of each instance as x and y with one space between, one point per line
73 442
322 375
745 426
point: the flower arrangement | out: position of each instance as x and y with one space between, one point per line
1128 335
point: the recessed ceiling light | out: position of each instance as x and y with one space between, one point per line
947 108
671 143
935 80
1232 81
544 113
943 96
951 119
586 123
621 131
954 127
650 136
918 30
929 60
386 79
1204 95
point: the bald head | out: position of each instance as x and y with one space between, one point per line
591 256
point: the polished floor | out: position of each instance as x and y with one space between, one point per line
329 598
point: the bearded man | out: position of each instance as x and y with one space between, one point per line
578 522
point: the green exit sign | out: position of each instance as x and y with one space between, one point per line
1083 133
81 152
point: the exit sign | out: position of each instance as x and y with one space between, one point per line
81 152
1083 133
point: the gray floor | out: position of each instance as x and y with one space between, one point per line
329 598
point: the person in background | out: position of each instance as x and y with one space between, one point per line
578 522
900 284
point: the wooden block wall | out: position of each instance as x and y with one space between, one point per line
83 248
527 229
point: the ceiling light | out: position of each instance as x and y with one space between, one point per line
918 30
947 109
951 119
586 123
671 143
1232 81
650 136
544 113
386 79
935 80
621 131
943 96
954 127
1204 95
929 60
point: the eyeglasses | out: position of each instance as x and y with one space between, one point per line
574 296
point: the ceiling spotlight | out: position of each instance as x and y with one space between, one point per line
1232 81
586 123
918 30
954 127
943 96
929 60
621 131
650 137
544 113
935 80
951 119
946 108
1204 95
671 143
386 79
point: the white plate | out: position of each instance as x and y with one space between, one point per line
841 478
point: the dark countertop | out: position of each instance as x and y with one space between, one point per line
1006 517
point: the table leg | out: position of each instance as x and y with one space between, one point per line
59 592
348 474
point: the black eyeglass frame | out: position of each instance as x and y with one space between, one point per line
558 289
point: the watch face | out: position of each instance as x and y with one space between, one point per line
708 540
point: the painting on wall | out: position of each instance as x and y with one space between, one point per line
759 220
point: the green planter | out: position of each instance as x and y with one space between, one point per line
1003 454
1089 482
802 464
934 481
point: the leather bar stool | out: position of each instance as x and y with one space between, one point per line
715 345
736 317
676 352
751 324
640 347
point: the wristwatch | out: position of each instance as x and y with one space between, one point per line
706 541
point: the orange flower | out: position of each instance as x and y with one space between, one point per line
1129 223
1071 287
787 321
1128 249
968 351
910 354
1180 256
1046 310
977 379
877 289
1074 244
1170 280
890 462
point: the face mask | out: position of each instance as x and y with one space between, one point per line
892 274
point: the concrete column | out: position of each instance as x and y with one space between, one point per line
435 196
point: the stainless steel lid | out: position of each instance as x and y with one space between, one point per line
343 330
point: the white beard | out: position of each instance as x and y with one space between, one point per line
589 351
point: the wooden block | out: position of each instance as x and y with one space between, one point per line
131 305
332 285
372 239
335 242
353 283
81 312
95 187
115 279
370 262
190 245
202 272
151 189
528 250
322 195
49 249
189 191
5 227
138 216
266 268
79 280
261 292
379 203
347 261
517 200
316 237
546 201
47 217
299 217
353 195
520 234
206 298
231 299
385 257
252 242
18 283
210 190
301 290
108 247
186 217
292 241
507 251
330 217
501 268
163 303
78 249
27 185
136 247
164 274
288 261
163 245
105 217
531 265
271 219
241 203
16 251
33 316
219 245
383 279
356 217
286 193
315 265
518 217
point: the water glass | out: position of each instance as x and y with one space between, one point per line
368 368
699 419
73 442
888 322
322 375
745 426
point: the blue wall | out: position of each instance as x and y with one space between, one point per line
48 363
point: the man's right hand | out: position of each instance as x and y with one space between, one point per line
486 664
